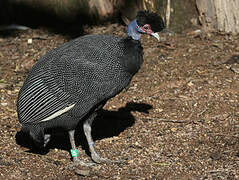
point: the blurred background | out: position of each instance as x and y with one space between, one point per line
179 14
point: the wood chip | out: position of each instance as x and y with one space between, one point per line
82 172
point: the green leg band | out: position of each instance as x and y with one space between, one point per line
74 153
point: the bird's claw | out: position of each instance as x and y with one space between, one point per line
97 159
77 162
82 163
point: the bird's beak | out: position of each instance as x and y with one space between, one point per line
156 35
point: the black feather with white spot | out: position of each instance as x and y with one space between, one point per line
70 83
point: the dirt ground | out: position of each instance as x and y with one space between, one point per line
179 119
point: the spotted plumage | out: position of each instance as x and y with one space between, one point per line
71 83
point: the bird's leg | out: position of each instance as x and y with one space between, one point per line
94 154
74 151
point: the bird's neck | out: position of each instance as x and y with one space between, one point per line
133 30
133 55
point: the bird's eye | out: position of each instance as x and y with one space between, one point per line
147 27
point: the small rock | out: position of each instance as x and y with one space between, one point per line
3 85
29 41
131 161
218 45
176 84
137 144
235 68
190 84
190 50
215 156
159 110
4 104
196 32
184 97
82 172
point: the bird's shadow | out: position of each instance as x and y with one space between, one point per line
107 124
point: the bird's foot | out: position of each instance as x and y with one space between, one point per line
97 159
77 161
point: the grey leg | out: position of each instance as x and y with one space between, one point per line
94 154
76 160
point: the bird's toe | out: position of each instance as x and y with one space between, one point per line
77 161
97 159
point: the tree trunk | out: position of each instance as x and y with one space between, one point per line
221 15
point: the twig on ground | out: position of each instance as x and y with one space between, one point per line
229 135
203 111
220 170
166 120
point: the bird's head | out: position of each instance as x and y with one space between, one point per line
145 23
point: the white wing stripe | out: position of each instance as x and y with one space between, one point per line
39 103
58 113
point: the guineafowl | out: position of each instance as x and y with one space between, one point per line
71 83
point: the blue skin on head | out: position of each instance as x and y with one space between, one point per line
134 30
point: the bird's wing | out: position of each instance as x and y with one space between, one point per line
90 83
37 102
40 103
78 75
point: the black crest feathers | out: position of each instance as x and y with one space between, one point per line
145 17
